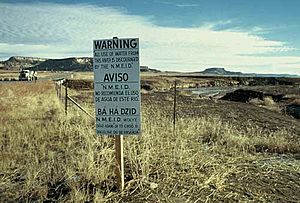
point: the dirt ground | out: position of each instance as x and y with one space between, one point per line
243 115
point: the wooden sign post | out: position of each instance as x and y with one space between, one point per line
119 170
117 93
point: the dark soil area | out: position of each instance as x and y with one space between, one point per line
244 96
243 115
286 97
81 84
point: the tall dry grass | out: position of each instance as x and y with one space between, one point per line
266 102
47 156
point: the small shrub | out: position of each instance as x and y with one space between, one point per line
256 101
296 102
268 101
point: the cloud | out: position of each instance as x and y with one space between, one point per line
180 5
58 30
184 5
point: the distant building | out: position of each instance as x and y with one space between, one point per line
144 68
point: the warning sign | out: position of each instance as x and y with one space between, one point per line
117 86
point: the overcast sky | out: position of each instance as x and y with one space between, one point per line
250 36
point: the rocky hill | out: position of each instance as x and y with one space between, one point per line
66 64
219 71
17 62
223 72
14 63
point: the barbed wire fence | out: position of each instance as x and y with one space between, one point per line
61 87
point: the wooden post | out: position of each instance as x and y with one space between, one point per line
66 98
119 161
174 110
56 89
60 96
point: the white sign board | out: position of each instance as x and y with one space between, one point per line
117 86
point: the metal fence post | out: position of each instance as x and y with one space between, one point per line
66 98
174 110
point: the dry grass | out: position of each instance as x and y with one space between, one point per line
42 75
267 103
46 156
83 75
296 102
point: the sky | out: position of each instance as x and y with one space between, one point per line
260 36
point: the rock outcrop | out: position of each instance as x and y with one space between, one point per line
244 96
222 72
293 110
219 71
17 62
67 64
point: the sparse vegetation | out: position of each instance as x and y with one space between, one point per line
266 102
47 156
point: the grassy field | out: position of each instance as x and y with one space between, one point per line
46 156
